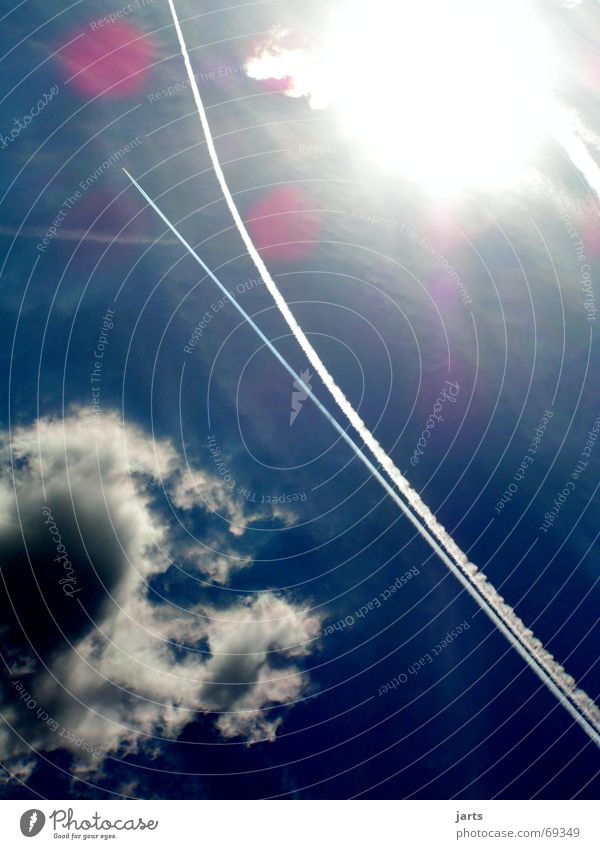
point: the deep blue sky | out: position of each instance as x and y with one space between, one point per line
475 722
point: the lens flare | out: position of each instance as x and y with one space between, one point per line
113 61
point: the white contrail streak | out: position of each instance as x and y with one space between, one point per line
346 407
563 686
530 649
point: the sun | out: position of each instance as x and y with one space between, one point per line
450 93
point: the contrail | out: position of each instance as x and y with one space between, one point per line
575 700
562 685
346 407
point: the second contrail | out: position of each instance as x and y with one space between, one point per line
561 685
555 677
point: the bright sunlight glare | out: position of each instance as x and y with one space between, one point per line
450 93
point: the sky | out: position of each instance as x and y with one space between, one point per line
205 594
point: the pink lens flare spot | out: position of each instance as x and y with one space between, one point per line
284 224
444 293
440 232
591 71
113 61
589 227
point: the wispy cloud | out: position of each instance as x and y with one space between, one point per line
111 670
288 57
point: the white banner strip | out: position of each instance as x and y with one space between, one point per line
351 825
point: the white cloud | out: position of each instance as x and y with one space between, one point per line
126 671
284 56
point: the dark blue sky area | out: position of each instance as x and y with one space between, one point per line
365 261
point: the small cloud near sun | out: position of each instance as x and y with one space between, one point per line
291 59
